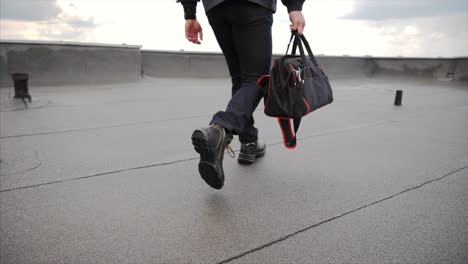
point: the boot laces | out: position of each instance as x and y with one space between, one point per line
230 151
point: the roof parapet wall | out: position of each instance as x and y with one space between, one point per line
209 65
62 63
69 63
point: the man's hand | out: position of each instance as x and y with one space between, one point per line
193 30
297 21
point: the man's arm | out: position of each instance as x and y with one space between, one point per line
293 5
190 8
295 14
193 29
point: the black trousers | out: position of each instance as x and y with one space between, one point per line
243 31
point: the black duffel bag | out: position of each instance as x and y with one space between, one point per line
296 86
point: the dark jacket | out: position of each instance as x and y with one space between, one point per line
190 5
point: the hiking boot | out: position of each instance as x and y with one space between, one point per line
210 143
249 152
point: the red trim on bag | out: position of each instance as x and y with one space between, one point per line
284 135
308 107
260 79
268 95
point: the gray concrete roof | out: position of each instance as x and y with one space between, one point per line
107 174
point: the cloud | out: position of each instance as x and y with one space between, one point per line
80 22
443 35
37 10
414 28
378 27
396 9
43 19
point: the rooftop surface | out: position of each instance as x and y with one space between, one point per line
107 174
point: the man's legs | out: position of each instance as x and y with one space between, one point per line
243 31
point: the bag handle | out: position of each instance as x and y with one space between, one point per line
309 50
298 40
289 44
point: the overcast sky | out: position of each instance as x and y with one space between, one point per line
410 28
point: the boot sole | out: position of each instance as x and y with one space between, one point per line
247 159
206 169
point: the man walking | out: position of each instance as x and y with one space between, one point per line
243 31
